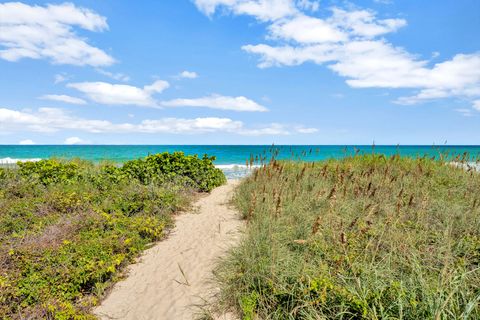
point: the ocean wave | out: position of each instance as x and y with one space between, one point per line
467 165
235 170
236 166
9 160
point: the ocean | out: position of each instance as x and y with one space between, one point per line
232 159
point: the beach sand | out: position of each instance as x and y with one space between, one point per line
175 275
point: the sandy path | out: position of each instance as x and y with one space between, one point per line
174 275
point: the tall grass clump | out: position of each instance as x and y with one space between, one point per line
366 237
68 228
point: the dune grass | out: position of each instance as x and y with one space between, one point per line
366 237
68 228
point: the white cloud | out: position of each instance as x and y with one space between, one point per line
459 77
377 64
115 76
197 125
209 7
364 23
291 55
157 87
74 140
188 75
370 63
266 9
350 43
263 10
49 120
307 130
309 5
218 102
305 29
47 32
58 78
275 129
121 94
63 98
26 142
278 129
476 105
12 119
465 112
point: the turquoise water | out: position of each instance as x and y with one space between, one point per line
230 158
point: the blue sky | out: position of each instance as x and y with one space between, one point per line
240 72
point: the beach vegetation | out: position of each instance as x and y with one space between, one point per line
365 237
199 172
68 228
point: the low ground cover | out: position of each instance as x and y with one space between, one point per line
68 228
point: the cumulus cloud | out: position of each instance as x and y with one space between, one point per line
351 44
26 142
48 120
218 102
305 29
48 32
377 64
188 75
63 98
121 94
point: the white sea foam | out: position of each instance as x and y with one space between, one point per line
236 166
468 165
236 171
9 160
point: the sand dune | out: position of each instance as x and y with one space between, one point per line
175 275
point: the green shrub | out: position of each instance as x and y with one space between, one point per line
49 171
199 172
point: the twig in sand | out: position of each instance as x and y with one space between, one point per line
186 283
